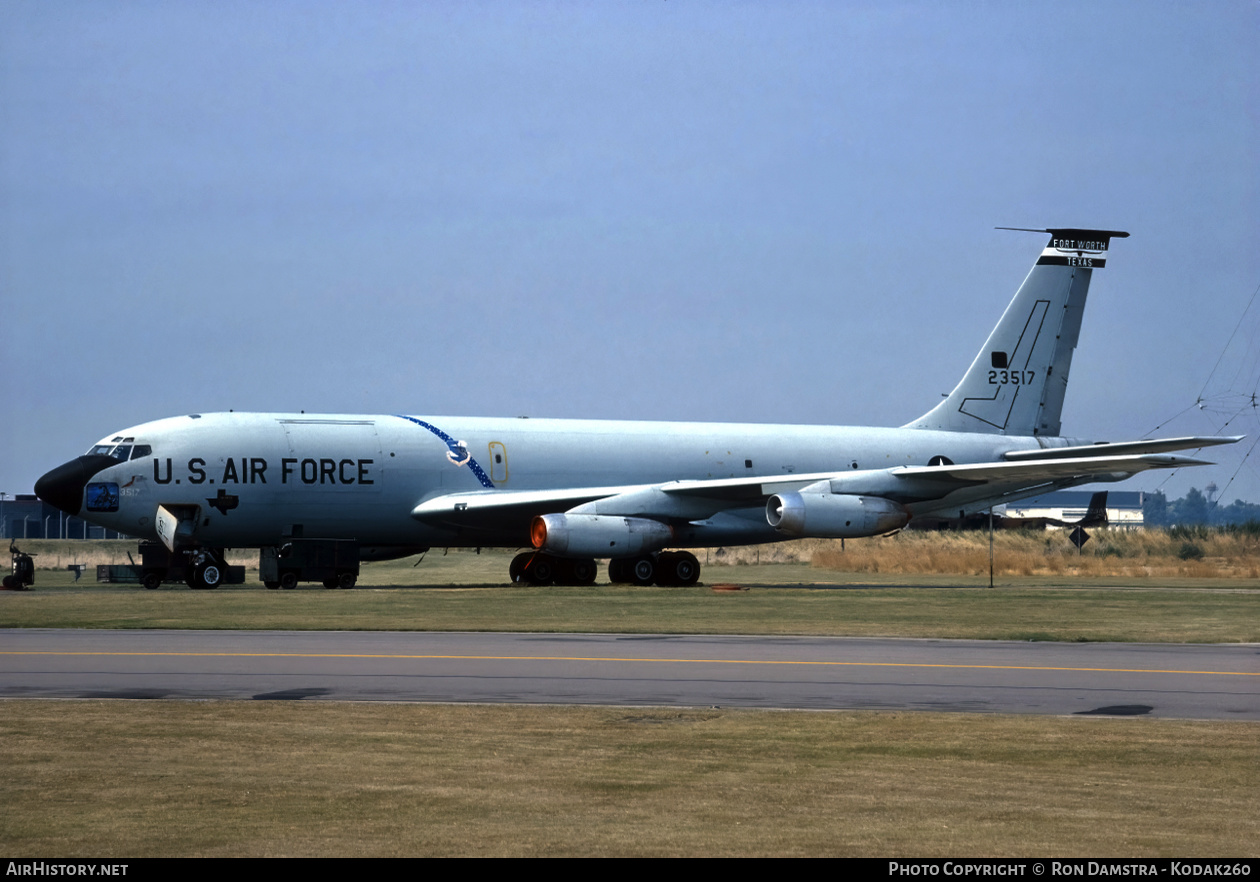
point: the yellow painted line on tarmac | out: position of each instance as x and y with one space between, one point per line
582 658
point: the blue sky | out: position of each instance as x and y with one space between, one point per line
651 210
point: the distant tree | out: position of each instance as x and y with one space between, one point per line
1238 512
1155 509
1191 508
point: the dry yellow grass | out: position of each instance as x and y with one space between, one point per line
1135 554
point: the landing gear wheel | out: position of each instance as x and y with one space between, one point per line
687 569
643 571
330 583
678 569
583 572
346 580
619 571
272 584
541 570
576 572
288 581
211 575
151 580
207 576
516 570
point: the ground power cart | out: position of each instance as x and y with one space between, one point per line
334 562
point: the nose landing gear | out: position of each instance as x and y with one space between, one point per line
206 573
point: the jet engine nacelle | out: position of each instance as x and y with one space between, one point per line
585 535
833 515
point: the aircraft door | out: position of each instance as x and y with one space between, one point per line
498 462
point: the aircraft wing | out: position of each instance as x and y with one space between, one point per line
482 501
922 487
1108 448
1043 470
467 507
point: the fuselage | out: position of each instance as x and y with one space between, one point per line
254 478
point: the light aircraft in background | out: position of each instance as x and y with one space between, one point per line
634 493
1095 516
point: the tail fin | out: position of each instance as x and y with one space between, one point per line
1096 514
1017 382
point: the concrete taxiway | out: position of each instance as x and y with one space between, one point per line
1160 680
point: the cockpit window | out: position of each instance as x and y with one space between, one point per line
121 452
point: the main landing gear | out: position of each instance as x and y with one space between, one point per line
543 569
674 569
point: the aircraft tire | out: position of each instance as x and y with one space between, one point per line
211 576
288 581
664 569
207 576
678 569
578 572
693 570
542 571
586 572
619 571
151 579
516 570
346 580
272 584
330 582
643 571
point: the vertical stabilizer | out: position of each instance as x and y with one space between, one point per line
1096 514
1017 382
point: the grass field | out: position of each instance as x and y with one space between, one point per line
465 591
138 778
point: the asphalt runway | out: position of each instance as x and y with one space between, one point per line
1167 681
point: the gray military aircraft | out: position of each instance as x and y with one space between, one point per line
582 490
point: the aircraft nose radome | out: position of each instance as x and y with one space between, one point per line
63 486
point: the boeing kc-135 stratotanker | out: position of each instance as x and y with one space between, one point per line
580 490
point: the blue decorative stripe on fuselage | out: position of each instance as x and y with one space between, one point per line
458 455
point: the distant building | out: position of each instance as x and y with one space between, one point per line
1124 508
26 516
